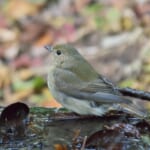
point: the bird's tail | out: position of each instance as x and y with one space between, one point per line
135 108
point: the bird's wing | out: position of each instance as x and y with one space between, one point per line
99 90
100 84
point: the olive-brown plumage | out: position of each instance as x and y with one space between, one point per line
77 86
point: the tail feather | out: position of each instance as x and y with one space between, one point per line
133 108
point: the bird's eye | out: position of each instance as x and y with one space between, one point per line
58 52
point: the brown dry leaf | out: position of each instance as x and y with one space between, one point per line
77 140
78 5
60 147
5 76
14 114
18 8
78 34
25 74
32 30
18 96
118 4
76 134
46 38
22 61
114 137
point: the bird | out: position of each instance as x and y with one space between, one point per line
77 86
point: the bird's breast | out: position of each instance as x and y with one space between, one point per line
52 87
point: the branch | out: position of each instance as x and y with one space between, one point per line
135 93
144 95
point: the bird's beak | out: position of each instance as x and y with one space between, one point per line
49 48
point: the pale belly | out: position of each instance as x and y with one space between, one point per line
82 107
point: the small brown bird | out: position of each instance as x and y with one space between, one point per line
77 86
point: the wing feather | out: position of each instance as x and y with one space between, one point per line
97 90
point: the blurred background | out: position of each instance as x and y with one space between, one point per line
113 35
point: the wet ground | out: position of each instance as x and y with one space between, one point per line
48 129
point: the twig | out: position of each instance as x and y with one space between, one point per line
135 93
84 142
129 91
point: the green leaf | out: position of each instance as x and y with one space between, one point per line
100 21
94 8
19 85
127 83
38 83
113 15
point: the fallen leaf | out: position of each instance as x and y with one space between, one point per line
60 147
46 38
25 74
14 113
113 137
16 9
38 83
14 117
5 76
19 95
23 61
49 100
